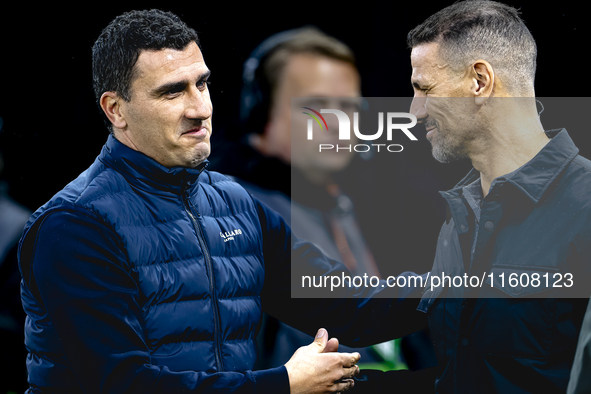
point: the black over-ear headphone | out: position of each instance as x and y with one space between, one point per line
255 95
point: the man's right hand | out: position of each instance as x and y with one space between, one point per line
312 371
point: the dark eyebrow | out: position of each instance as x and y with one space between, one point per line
178 86
205 76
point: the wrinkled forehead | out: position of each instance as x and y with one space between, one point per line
426 63
426 55
169 62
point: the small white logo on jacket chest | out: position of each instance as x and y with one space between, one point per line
229 235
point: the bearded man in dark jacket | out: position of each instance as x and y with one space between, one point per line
518 228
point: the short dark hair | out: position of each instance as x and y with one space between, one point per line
119 45
473 29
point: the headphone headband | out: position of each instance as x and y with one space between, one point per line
254 98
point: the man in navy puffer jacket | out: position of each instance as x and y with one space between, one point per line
148 273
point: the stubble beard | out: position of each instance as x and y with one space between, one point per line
446 148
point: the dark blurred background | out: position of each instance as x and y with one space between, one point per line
52 128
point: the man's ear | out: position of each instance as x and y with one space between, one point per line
260 142
483 80
111 104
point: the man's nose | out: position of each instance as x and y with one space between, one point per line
418 108
198 105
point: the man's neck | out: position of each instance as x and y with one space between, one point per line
508 146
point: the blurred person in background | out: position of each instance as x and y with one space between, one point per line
13 217
310 191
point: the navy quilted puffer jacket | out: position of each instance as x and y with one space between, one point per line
135 273
142 279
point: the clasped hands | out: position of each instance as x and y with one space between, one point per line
318 368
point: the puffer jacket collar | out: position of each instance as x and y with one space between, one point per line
145 173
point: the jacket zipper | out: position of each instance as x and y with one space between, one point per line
209 266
